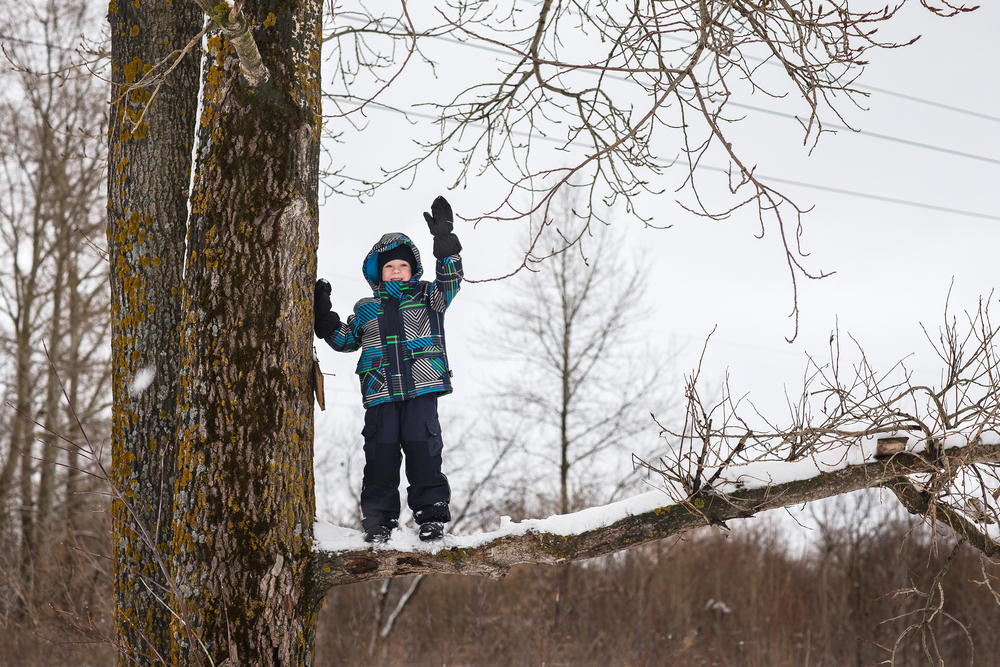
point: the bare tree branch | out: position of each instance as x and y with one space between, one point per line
604 83
495 557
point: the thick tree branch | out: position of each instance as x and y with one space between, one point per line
255 74
236 28
921 503
494 558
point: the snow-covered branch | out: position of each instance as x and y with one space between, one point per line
847 410
341 557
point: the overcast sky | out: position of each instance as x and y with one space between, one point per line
893 263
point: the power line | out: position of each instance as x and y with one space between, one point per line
775 179
919 100
769 61
875 135
865 195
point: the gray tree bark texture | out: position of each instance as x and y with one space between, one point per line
149 163
212 462
244 506
494 559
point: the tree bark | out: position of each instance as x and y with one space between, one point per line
495 558
21 431
149 162
50 421
244 505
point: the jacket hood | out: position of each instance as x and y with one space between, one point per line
370 268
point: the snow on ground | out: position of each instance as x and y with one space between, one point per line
328 537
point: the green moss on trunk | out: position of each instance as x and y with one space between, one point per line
245 506
149 165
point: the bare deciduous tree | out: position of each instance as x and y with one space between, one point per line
584 383
53 297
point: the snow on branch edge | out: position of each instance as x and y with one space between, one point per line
341 556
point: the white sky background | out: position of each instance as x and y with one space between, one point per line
894 264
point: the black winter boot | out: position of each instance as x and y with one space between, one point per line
378 534
432 530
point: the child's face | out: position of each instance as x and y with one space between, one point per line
397 269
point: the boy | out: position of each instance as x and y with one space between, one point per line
403 368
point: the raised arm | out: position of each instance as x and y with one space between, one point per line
448 267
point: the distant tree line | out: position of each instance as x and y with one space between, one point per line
710 598
54 362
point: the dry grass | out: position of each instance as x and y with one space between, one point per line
742 600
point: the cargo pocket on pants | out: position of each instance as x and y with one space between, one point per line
434 442
369 430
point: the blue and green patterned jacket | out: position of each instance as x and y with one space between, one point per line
400 329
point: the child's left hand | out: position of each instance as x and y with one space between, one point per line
440 219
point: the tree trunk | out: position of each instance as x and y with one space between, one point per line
71 514
567 311
27 508
148 178
221 441
245 501
49 454
23 316
21 433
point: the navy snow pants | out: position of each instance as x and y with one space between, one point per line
392 430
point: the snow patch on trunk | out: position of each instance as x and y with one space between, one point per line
143 378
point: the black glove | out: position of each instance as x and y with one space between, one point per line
327 321
439 221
